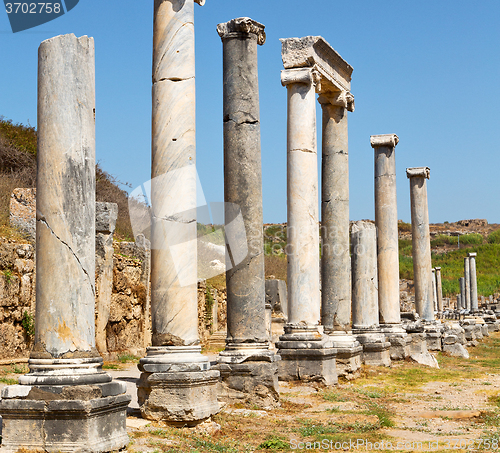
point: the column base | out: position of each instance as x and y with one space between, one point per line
249 371
82 418
349 354
376 349
400 342
306 355
433 331
177 386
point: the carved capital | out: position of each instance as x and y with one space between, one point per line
200 2
388 140
418 172
307 76
242 25
472 254
338 98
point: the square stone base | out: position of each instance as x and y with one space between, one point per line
308 365
93 426
377 354
178 398
348 361
400 346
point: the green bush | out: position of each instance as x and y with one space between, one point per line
471 239
494 238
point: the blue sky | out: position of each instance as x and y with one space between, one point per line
428 71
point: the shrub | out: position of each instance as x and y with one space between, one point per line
494 238
471 239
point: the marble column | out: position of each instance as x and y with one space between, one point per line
386 222
246 362
421 241
176 385
461 282
467 283
64 363
434 290
439 288
474 303
365 305
305 351
335 259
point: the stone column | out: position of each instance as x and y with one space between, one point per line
434 290
176 385
421 241
461 282
335 259
439 288
474 303
246 361
64 363
386 222
467 283
306 353
365 306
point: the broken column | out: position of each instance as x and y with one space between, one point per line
66 401
336 101
467 283
386 222
421 242
246 364
474 303
305 351
439 288
365 308
176 384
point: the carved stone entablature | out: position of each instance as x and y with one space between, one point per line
338 98
418 172
307 76
314 51
200 2
242 25
388 140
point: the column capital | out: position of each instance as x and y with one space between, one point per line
200 2
437 268
242 25
388 140
472 254
418 172
307 76
338 99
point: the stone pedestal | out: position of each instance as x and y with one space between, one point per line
474 303
421 242
386 222
66 402
305 351
433 331
176 384
365 318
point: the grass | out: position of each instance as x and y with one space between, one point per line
126 358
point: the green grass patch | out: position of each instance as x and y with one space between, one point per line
125 358
275 443
8 381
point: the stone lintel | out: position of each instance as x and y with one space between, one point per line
387 140
418 172
472 254
242 25
314 51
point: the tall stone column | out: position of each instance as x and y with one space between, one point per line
439 287
421 241
365 299
434 290
246 361
474 303
64 363
335 259
467 283
386 222
176 385
305 352
461 282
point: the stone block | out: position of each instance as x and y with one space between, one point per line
94 426
400 346
456 350
348 361
377 353
308 365
105 217
433 341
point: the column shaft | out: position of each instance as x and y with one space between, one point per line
335 261
243 188
461 282
467 283
439 290
473 282
302 199
421 242
386 221
434 290
65 226
173 174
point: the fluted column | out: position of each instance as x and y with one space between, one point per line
174 305
473 282
421 242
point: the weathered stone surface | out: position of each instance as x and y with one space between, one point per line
421 241
474 304
456 350
105 217
276 296
22 210
439 289
467 283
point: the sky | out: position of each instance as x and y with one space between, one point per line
427 70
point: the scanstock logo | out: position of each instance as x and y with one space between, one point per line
26 15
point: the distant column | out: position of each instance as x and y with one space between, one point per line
473 282
439 287
434 290
467 283
461 282
421 241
